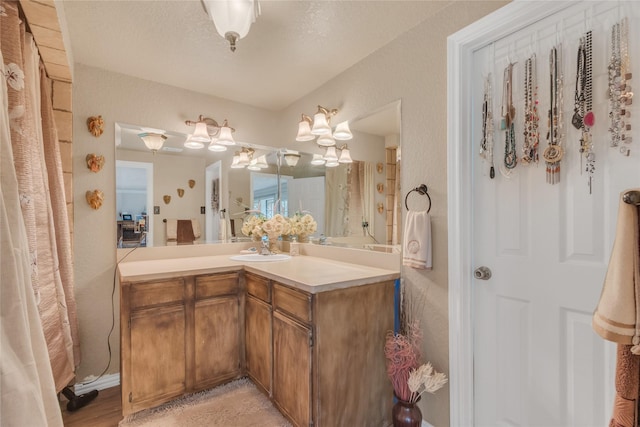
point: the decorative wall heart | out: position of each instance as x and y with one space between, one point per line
95 124
166 198
180 192
192 183
95 198
95 162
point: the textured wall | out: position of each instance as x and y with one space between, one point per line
125 99
412 68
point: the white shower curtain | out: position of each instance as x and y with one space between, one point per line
33 201
28 395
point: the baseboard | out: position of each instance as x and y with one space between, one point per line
102 383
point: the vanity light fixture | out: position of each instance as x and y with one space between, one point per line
309 129
153 140
208 131
243 158
291 158
345 155
317 160
232 18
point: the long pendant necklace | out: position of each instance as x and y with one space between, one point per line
554 152
508 114
620 95
486 144
583 118
531 116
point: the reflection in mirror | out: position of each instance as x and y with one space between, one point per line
355 204
360 205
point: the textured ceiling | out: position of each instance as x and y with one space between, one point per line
293 47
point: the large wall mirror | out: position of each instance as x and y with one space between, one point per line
355 204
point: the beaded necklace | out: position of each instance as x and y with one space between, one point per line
620 95
531 117
583 117
554 152
508 114
486 144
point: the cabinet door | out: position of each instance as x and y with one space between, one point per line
157 355
217 340
292 359
258 342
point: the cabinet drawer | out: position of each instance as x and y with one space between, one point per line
293 302
258 287
158 292
216 285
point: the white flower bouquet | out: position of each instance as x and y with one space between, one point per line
257 226
302 225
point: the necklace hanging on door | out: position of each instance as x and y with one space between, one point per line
531 116
554 152
486 144
620 95
508 118
583 118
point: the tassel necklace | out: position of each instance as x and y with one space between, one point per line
554 152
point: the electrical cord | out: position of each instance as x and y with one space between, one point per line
365 228
113 311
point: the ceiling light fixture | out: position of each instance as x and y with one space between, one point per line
331 157
208 131
153 140
232 18
320 127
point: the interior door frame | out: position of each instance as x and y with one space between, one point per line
461 151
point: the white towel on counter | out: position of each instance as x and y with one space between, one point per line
172 229
416 247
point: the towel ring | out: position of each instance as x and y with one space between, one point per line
422 189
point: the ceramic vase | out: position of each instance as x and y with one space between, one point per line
406 414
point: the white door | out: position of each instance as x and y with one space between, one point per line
307 194
536 359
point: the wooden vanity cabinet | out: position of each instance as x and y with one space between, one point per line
217 332
328 355
258 331
178 336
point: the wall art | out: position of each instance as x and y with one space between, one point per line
95 125
95 162
95 198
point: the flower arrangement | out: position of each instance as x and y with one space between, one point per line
302 225
257 226
409 377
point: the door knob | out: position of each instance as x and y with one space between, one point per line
482 273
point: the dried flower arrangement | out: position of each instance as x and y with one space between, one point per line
409 377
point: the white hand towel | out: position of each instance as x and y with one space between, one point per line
617 316
195 225
416 247
172 229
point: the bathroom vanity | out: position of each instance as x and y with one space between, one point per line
308 331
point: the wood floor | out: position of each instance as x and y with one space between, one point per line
104 411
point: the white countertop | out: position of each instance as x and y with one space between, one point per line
308 273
